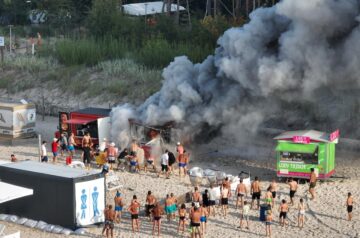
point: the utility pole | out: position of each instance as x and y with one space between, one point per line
10 41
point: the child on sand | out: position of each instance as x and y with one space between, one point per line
245 215
301 215
349 206
203 218
268 222
182 216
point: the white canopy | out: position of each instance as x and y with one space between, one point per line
10 192
148 8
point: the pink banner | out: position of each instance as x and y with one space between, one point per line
335 135
301 139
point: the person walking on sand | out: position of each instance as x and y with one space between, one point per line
195 218
268 197
212 200
106 215
245 215
293 188
118 206
164 159
241 192
44 157
182 217
256 192
283 209
54 149
301 215
312 183
203 218
268 222
71 144
63 143
134 211
150 203
157 213
225 192
273 190
349 206
110 222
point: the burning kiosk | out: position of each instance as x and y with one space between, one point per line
299 151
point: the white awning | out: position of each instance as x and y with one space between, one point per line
148 8
10 192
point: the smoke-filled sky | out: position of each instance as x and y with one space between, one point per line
296 61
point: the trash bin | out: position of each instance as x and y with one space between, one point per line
263 209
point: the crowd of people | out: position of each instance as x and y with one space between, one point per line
203 204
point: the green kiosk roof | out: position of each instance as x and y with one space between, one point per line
292 147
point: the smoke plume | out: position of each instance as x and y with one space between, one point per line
293 66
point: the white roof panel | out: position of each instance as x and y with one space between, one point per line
50 169
314 135
148 8
10 192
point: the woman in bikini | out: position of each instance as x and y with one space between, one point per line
182 216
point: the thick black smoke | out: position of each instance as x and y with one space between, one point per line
294 65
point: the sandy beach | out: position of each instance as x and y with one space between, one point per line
325 217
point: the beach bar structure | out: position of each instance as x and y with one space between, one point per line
299 151
62 195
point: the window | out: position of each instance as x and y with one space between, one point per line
297 157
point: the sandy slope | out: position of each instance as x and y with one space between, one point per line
325 217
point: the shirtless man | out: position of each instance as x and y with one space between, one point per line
349 206
226 183
118 206
293 187
106 215
71 144
268 221
168 207
268 197
256 192
203 218
283 209
157 212
86 141
225 193
150 203
110 222
134 211
273 190
174 205
195 218
196 195
241 192
182 160
312 184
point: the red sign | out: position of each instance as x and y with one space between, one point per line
301 139
335 135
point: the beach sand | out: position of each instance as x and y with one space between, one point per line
325 217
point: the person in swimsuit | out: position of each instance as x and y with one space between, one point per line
150 162
173 206
301 215
134 211
212 200
283 209
203 218
106 215
150 203
110 222
111 154
157 212
245 215
256 192
182 216
168 207
134 162
293 187
195 217
273 190
225 192
312 183
71 144
118 206
268 221
268 197
241 192
349 206
196 195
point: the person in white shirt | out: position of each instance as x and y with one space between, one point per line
212 200
164 164
44 157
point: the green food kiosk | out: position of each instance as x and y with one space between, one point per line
299 151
